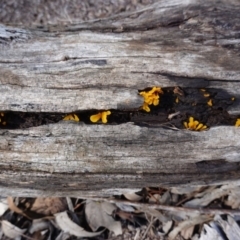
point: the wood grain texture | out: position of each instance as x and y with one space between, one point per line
100 65
185 43
70 157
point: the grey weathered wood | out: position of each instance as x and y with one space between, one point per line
100 65
72 157
81 66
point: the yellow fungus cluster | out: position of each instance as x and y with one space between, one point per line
194 125
102 115
237 124
2 121
71 117
151 97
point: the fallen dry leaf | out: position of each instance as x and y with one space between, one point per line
98 214
39 207
3 206
229 227
132 197
209 232
166 198
186 190
187 233
12 231
125 207
68 226
233 199
125 215
14 208
63 236
207 198
187 224
155 198
49 206
38 225
167 226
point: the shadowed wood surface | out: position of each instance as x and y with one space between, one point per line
100 65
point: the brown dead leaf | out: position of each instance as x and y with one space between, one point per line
206 198
188 190
187 233
49 206
125 215
155 198
179 91
187 224
233 199
14 208
98 214
68 226
39 207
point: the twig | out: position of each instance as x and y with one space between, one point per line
172 115
145 206
149 225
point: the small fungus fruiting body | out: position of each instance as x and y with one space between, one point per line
146 107
72 117
151 97
102 115
194 125
209 103
206 94
177 100
1 121
237 124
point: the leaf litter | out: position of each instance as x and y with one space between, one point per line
197 213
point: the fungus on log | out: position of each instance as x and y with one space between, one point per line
102 65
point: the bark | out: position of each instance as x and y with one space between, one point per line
101 65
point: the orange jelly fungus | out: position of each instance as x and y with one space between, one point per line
101 115
194 125
151 97
71 117
237 124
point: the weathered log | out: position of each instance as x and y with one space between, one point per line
101 65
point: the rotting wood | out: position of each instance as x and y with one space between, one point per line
101 64
71 157
80 66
